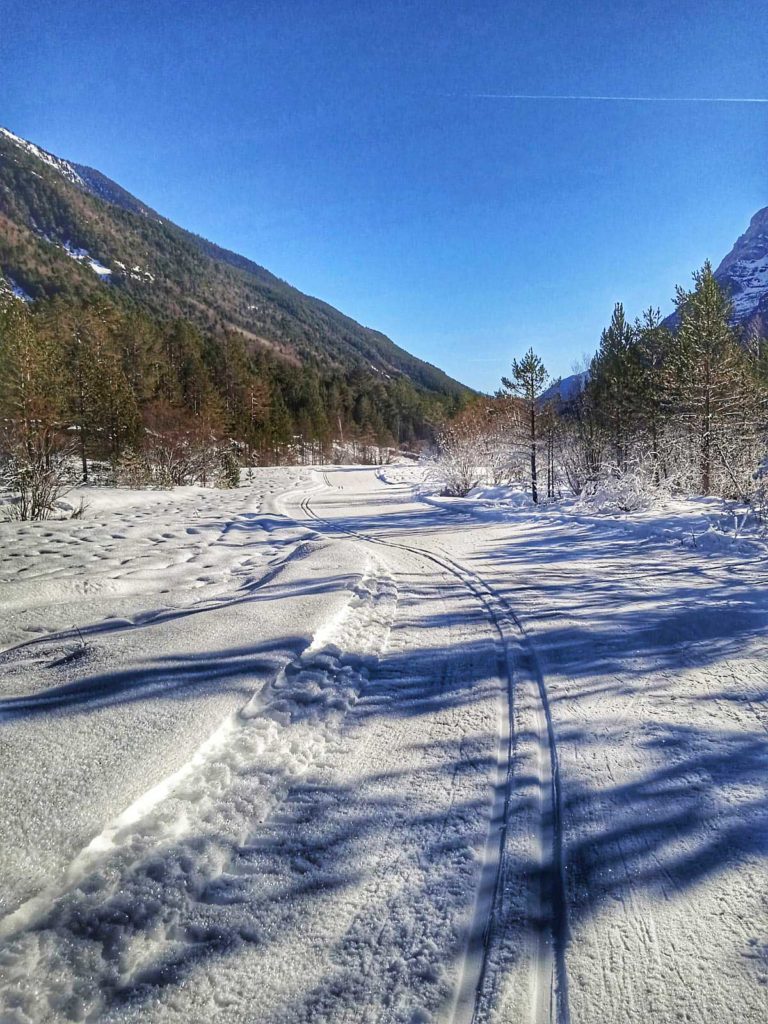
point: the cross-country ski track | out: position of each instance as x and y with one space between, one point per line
320 750
517 663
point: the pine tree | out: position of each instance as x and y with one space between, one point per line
98 398
652 345
614 382
29 371
708 376
33 450
529 378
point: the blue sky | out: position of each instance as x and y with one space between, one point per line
347 147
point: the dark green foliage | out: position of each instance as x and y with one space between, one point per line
529 378
205 330
108 378
685 407
615 374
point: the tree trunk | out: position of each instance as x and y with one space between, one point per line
534 488
706 441
83 459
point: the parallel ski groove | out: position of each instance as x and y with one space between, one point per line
553 869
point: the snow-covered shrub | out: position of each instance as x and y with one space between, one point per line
579 448
35 473
179 459
631 491
457 466
133 470
229 468
478 446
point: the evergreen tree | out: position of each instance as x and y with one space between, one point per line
528 381
98 398
30 371
614 380
708 376
653 344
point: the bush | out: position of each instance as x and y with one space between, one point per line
456 467
133 469
229 468
631 491
177 460
35 472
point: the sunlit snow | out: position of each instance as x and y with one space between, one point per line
288 753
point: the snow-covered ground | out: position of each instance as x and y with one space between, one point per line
327 748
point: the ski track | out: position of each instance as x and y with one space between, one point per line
517 655
339 777
664 767
177 879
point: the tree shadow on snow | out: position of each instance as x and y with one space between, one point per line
391 864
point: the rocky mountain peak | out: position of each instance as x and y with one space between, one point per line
744 271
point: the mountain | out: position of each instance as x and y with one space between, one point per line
68 229
744 273
565 389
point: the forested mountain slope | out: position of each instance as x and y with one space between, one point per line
66 229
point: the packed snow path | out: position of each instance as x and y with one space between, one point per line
316 750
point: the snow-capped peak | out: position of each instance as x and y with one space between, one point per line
744 271
64 167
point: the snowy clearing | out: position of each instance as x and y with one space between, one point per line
326 748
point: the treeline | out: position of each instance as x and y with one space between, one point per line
680 407
112 384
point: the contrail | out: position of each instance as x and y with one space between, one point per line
622 99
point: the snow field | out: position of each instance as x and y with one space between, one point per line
118 704
651 645
175 545
655 662
171 873
398 762
515 930
120 701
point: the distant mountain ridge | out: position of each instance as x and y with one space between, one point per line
743 276
66 227
743 273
